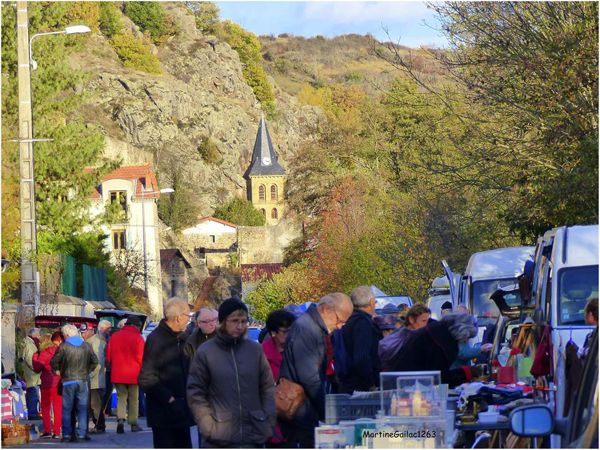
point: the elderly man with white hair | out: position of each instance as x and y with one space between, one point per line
163 378
98 376
305 361
361 338
206 328
74 361
32 378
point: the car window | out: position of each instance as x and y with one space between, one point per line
576 285
483 290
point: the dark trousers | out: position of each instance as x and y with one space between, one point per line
296 437
32 400
171 437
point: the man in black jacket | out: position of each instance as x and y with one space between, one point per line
305 362
74 361
361 341
163 378
206 328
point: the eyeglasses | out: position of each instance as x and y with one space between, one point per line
337 319
205 322
238 322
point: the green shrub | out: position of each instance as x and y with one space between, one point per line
209 151
110 19
241 212
207 17
135 53
353 76
152 19
248 47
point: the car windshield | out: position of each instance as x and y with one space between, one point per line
576 286
483 306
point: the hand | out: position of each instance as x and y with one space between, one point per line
486 348
171 400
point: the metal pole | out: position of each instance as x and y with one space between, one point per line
144 244
26 161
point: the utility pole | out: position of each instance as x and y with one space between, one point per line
27 185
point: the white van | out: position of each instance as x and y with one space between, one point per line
487 272
439 293
565 278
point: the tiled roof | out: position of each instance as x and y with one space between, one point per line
139 173
256 272
264 158
167 255
214 219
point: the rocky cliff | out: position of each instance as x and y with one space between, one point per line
202 93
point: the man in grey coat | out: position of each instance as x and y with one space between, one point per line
305 362
98 376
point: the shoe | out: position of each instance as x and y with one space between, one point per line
66 439
135 427
120 428
73 438
45 435
84 438
56 436
97 430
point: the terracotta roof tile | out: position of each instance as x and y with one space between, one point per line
140 173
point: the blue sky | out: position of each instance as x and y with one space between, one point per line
410 23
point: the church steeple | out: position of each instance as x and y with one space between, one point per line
264 158
266 178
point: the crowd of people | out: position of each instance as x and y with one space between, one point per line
208 373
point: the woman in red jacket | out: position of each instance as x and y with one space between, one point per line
124 354
51 400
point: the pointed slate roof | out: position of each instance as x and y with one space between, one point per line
264 158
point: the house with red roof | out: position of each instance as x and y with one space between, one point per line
134 189
214 240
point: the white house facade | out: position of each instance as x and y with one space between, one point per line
135 189
214 241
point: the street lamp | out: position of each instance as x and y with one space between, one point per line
29 276
75 29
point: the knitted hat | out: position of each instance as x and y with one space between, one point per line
230 305
447 305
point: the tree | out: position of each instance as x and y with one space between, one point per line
152 19
241 212
207 16
527 75
177 209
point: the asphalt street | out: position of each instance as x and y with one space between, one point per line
109 439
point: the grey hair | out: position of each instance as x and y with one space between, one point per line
104 324
206 311
33 332
174 307
461 326
69 330
361 296
334 300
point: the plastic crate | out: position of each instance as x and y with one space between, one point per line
363 405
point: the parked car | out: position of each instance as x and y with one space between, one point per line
439 293
114 316
396 300
565 278
50 324
580 428
487 272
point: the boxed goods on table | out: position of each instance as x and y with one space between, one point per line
417 394
334 436
360 405
15 433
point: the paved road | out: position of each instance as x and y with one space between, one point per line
110 439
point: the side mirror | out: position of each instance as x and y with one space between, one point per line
532 421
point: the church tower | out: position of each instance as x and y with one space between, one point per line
265 177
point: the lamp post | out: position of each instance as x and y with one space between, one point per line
29 278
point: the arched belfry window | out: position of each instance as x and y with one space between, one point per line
274 193
262 194
274 213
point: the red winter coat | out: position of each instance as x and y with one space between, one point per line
41 363
124 354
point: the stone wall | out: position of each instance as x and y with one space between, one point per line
260 245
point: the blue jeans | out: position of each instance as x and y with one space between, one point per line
32 399
75 392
